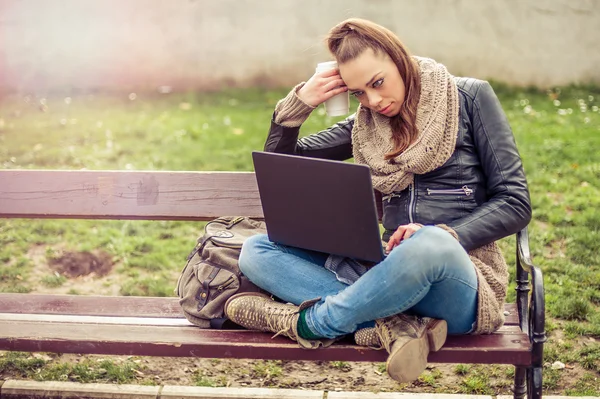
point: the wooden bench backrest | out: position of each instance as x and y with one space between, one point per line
127 194
148 195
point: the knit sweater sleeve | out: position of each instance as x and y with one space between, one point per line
334 142
291 111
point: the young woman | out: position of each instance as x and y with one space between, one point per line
441 151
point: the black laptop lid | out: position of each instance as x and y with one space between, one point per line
316 204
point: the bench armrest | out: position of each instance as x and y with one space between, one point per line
531 308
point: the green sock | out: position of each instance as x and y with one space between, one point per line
303 329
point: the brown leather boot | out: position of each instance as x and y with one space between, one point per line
256 311
408 340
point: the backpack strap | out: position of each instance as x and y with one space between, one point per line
202 296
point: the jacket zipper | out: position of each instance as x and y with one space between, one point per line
389 197
456 191
411 203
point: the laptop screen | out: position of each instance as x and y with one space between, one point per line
321 205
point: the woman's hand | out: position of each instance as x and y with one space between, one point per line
402 233
321 87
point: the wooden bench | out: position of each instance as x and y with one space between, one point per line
155 326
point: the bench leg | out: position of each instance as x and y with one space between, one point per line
534 383
520 387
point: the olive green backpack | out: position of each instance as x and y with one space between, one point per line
212 275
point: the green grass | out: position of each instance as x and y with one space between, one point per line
551 378
341 366
476 383
42 369
88 371
585 386
267 369
557 133
204 381
21 363
53 280
430 378
461 369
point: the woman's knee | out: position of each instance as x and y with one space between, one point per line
437 245
430 250
253 249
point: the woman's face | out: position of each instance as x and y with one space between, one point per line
375 81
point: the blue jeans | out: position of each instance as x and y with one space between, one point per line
429 274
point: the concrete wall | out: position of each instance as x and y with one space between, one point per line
209 44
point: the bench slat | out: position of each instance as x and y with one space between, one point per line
58 318
148 195
91 305
509 346
119 306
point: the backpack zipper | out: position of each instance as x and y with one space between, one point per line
217 292
203 295
234 222
226 284
451 191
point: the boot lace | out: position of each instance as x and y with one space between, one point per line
393 327
281 319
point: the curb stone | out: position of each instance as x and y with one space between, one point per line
553 397
187 392
17 389
21 389
398 395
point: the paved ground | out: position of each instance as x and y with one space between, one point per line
13 389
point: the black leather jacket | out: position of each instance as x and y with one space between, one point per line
481 191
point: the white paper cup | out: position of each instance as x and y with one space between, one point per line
339 104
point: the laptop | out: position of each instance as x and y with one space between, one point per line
320 205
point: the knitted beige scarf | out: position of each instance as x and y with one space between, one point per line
437 124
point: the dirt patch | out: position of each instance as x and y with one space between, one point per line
76 264
85 284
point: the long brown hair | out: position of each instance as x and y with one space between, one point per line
350 38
